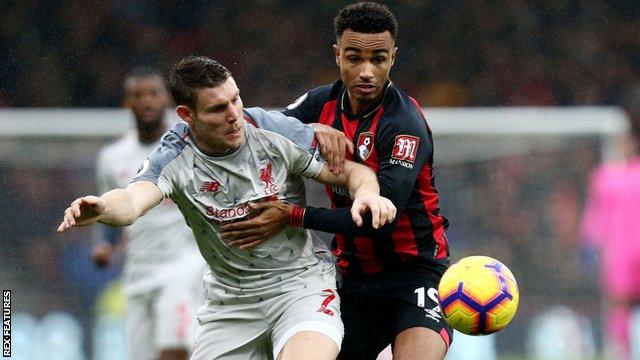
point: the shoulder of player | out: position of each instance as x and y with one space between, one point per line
254 131
317 97
402 112
172 144
270 140
325 92
255 115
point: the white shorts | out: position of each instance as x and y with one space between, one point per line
259 331
164 318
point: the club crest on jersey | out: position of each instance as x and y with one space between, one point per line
210 186
365 145
266 176
405 149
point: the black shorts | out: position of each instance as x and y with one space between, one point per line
375 309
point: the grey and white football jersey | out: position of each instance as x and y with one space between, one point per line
158 239
213 190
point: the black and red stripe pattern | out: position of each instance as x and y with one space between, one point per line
402 156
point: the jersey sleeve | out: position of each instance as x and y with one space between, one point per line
339 221
291 128
156 169
308 107
404 146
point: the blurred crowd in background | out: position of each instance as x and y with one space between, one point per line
451 53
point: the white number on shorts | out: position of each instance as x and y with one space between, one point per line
420 293
432 293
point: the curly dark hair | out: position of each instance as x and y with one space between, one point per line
193 73
366 17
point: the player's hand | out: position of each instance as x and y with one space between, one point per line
382 209
333 146
83 211
247 234
101 254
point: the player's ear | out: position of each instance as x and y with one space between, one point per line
185 114
336 52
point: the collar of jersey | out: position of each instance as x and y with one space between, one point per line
344 104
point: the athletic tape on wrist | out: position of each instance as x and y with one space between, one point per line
296 218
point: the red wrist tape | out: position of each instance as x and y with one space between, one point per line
297 216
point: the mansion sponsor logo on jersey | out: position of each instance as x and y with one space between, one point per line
340 191
405 149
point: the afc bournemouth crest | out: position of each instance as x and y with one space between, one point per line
365 145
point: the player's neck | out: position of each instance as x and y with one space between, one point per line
215 152
356 108
361 108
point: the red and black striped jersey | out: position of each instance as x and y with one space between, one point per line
393 139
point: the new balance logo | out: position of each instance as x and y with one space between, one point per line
210 186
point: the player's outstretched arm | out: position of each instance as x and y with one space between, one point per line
118 207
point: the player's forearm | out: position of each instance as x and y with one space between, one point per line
361 179
120 210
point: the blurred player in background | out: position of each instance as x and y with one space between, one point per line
391 273
163 270
276 300
611 225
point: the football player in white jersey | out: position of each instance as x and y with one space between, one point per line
163 269
276 300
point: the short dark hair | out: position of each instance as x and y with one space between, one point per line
142 71
366 17
193 73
